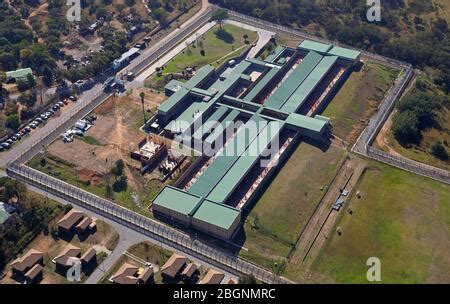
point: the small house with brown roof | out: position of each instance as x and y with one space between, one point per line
212 277
65 259
173 266
34 275
189 271
146 275
84 225
231 281
23 264
70 220
125 275
130 274
89 257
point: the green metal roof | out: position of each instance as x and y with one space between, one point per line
344 53
173 85
199 76
20 73
257 61
228 120
177 200
305 122
173 100
3 216
262 83
219 215
228 156
209 93
188 117
278 50
309 84
298 75
210 123
245 162
314 46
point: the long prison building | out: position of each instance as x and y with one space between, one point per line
268 95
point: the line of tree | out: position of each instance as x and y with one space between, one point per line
425 43
32 217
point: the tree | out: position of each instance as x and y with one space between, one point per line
67 208
406 127
13 188
219 16
142 95
12 122
118 168
161 15
47 76
31 81
438 150
247 279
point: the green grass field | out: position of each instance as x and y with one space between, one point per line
358 99
216 51
401 218
289 201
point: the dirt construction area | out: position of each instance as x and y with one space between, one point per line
113 136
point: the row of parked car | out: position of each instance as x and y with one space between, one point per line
34 124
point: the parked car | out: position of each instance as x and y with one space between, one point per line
73 98
6 145
60 103
27 128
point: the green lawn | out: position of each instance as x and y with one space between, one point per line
358 99
289 201
65 171
216 51
90 140
401 218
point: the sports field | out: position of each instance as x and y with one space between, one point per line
401 218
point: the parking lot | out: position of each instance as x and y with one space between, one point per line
53 110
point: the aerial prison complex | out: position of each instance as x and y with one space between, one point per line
280 95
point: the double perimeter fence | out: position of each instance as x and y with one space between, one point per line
135 221
409 165
142 224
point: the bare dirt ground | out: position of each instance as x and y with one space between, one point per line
382 137
117 133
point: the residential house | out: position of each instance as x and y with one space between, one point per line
22 265
173 266
212 277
